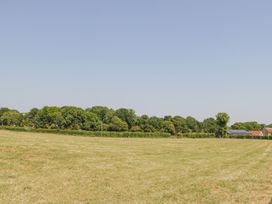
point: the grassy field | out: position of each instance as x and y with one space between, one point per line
48 168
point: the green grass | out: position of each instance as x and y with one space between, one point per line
48 168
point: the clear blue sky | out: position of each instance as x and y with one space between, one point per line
178 57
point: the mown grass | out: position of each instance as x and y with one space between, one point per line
48 168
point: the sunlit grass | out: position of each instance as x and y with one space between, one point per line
47 168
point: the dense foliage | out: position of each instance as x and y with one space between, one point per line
104 119
222 120
247 126
99 118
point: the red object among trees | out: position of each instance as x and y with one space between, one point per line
256 133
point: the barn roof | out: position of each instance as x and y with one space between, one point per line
238 132
256 133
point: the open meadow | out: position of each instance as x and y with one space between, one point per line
48 168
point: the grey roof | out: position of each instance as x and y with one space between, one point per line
238 132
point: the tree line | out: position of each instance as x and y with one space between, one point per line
248 126
100 118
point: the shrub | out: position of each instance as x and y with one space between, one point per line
136 129
118 125
90 133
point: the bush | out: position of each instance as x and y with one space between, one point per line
136 129
90 133
118 125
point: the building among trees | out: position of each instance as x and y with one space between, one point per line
256 133
267 131
238 132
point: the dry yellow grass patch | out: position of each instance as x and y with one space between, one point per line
47 168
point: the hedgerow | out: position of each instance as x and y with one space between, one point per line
250 137
90 133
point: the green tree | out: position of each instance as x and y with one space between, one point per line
247 126
74 117
180 124
127 115
238 126
193 124
118 125
148 128
222 120
11 118
156 122
2 111
105 114
144 117
209 125
92 122
167 117
169 127
48 117
30 117
142 121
